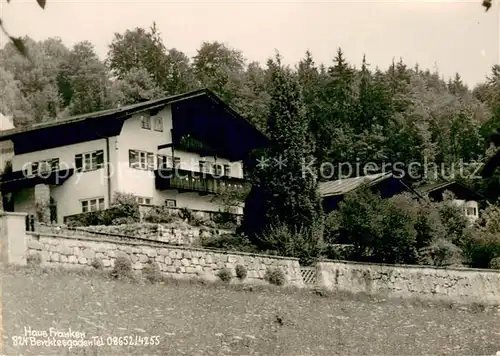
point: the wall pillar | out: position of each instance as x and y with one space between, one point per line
13 247
42 203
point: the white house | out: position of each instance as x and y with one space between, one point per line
175 151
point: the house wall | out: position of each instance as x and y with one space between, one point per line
94 184
84 185
142 182
468 204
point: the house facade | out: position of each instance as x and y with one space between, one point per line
177 151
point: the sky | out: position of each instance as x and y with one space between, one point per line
450 36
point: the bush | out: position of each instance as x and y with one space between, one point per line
275 276
97 264
225 275
305 244
152 272
241 272
228 242
34 260
159 215
123 221
441 252
122 268
495 263
186 214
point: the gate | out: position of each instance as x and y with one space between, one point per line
308 275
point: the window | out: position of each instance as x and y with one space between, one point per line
143 200
141 160
217 169
146 121
164 162
92 205
89 161
170 203
50 165
177 162
203 166
227 170
158 123
471 211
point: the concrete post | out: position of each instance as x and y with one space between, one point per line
13 248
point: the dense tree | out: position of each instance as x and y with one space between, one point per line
285 190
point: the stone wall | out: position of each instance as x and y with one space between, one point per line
180 262
461 285
178 233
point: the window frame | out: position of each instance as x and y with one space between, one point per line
167 201
98 203
143 160
89 161
144 200
146 121
158 123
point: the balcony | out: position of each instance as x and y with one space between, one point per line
189 181
17 180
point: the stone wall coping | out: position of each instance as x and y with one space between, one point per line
11 213
372 264
160 244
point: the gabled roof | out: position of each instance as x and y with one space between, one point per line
200 113
452 186
121 111
344 186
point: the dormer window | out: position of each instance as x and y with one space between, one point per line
146 121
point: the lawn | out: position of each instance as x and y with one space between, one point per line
181 318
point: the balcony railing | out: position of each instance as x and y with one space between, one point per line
195 181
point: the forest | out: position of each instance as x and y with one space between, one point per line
402 113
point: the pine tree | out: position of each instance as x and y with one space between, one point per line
285 189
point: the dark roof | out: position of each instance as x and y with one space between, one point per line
452 186
344 186
121 111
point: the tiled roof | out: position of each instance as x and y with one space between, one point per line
344 186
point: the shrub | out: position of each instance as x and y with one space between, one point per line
123 221
225 275
495 263
241 272
152 272
126 205
305 244
275 276
228 242
159 215
34 260
186 214
441 252
97 264
122 268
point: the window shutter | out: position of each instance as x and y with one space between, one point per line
78 162
151 161
34 168
99 159
132 158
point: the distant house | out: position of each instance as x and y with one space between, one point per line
386 184
174 151
465 197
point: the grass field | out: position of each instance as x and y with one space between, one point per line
195 319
